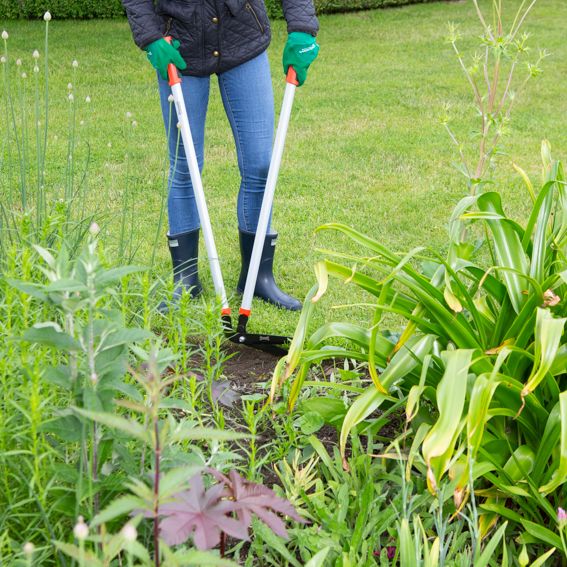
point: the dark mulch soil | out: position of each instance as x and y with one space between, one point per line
249 371
247 366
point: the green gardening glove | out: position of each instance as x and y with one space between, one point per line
299 52
161 54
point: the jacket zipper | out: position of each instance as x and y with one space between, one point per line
253 12
167 27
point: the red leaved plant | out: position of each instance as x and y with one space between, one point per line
226 507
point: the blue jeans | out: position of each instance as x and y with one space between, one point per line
248 101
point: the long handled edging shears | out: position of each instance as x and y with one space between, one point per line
265 342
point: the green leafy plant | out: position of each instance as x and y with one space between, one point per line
480 363
489 355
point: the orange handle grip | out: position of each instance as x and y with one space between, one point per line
291 76
172 73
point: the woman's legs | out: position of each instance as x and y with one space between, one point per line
183 236
183 215
248 100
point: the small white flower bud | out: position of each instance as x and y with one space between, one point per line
18 62
47 16
129 533
178 125
2 59
94 229
35 54
55 137
69 86
29 548
35 69
71 97
109 144
24 75
75 64
128 115
134 124
81 530
82 123
5 35
170 98
88 99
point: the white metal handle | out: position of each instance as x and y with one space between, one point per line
218 282
268 199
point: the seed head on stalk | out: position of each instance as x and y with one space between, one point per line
81 530
129 533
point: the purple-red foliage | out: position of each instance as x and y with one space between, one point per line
207 513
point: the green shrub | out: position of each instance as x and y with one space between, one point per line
333 6
61 9
86 9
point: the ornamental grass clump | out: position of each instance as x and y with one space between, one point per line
43 173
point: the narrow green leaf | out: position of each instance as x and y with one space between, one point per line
198 558
450 401
119 507
266 534
187 432
46 255
559 365
490 547
125 336
66 284
414 396
130 427
114 274
508 248
52 335
297 342
34 290
86 558
548 333
402 363
318 560
542 534
540 561
560 474
407 546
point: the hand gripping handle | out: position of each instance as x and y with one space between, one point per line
172 73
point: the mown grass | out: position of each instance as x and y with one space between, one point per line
366 146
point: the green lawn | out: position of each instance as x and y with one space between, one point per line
365 147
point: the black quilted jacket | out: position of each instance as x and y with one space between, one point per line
215 35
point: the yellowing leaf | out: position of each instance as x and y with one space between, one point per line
452 300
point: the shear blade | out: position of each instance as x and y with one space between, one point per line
268 343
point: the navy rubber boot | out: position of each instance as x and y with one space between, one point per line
184 249
266 287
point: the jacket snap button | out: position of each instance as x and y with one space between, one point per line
216 53
215 20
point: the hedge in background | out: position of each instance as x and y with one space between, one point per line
333 6
60 9
84 9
